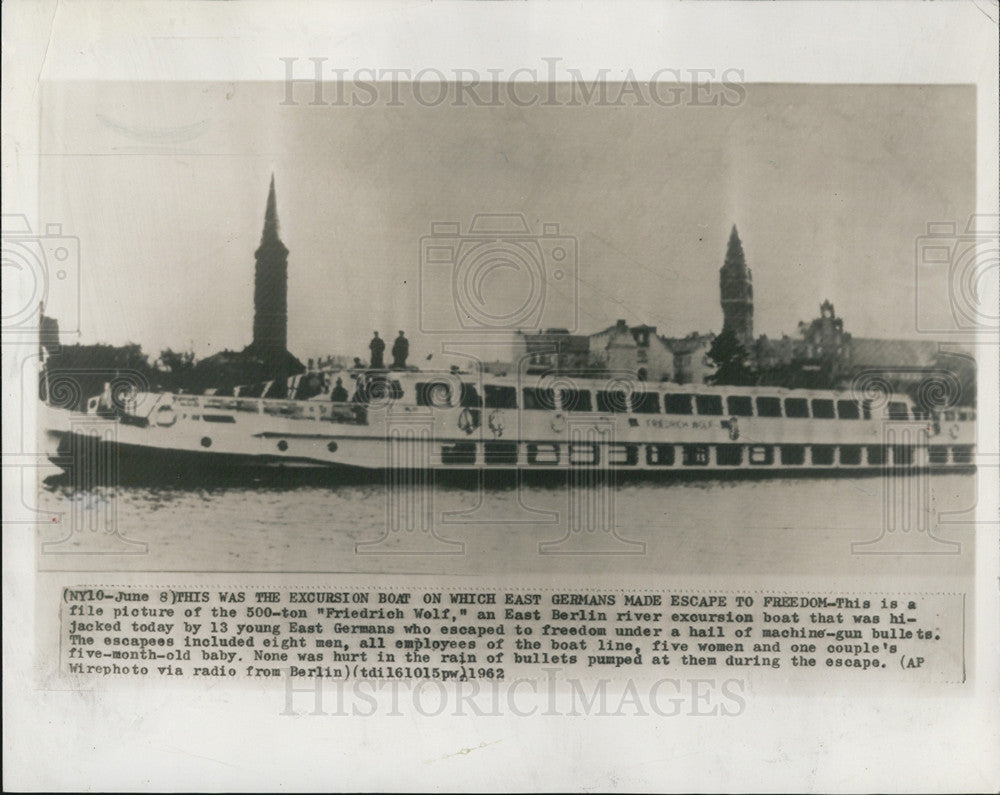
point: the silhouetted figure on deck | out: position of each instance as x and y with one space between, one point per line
310 386
377 347
338 394
400 350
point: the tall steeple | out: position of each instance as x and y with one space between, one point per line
270 232
270 294
736 289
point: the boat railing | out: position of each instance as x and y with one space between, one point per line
316 410
357 412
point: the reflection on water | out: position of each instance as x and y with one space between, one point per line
780 526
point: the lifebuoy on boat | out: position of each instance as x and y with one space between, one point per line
496 422
466 421
165 416
558 423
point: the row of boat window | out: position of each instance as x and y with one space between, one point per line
438 394
726 455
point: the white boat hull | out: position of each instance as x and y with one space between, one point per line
178 432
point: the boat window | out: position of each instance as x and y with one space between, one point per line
876 454
500 397
768 407
660 455
797 408
761 454
902 455
793 454
709 404
543 453
677 404
848 410
850 454
575 399
962 454
421 392
540 399
613 401
897 411
823 409
963 416
584 453
822 454
739 405
866 409
695 455
938 454
623 454
460 453
470 397
949 416
729 455
495 452
436 394
646 403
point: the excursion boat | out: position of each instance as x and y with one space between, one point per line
410 420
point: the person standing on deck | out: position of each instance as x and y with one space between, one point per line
400 350
377 347
338 394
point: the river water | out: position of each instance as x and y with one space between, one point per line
797 527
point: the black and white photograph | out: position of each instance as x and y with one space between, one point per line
668 358
466 394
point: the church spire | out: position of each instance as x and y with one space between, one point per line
735 259
270 233
736 291
270 298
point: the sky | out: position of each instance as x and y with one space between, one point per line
165 185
